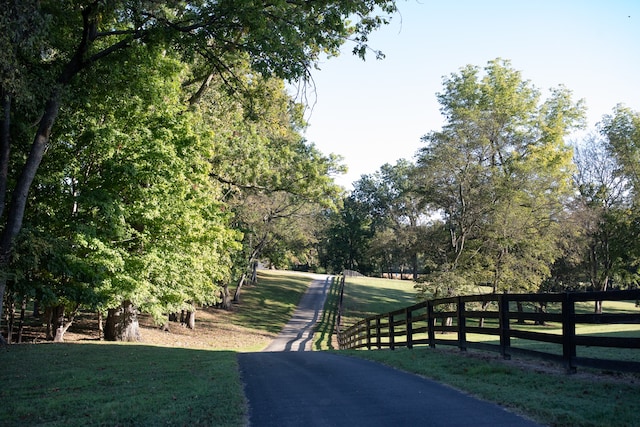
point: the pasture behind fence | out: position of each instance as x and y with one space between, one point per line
545 323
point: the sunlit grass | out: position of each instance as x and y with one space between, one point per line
366 296
268 306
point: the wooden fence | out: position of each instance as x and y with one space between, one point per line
456 321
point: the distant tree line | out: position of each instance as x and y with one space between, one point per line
499 198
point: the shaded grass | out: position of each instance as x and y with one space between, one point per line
119 384
96 383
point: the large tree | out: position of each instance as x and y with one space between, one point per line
45 45
498 173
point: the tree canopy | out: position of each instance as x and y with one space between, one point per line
146 112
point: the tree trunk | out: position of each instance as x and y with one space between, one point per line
36 307
542 308
254 273
100 326
5 146
236 295
59 323
190 319
48 315
122 323
15 213
520 310
23 308
485 304
226 297
598 307
19 195
11 315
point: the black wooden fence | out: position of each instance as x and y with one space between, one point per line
505 317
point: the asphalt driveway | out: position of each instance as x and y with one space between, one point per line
289 385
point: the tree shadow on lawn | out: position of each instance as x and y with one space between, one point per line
119 384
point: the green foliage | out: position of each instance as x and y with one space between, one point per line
126 199
347 237
125 207
499 173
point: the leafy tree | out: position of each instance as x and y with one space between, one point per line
127 201
397 214
274 181
46 45
348 237
498 172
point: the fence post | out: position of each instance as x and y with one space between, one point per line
368 334
430 326
391 333
505 337
568 333
378 337
408 317
462 325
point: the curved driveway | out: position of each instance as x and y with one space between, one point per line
286 386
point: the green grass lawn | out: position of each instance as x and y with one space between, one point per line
98 383
119 384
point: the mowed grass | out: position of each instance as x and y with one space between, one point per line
540 390
88 382
119 384
367 296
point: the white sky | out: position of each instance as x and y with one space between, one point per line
375 112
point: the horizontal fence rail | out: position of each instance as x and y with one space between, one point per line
504 318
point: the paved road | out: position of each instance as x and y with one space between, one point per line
286 386
297 335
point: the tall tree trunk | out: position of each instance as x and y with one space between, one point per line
226 297
485 304
48 315
5 145
59 323
23 308
15 213
100 326
19 196
520 310
190 319
236 295
122 323
254 273
11 314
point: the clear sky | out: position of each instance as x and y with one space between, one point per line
375 112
